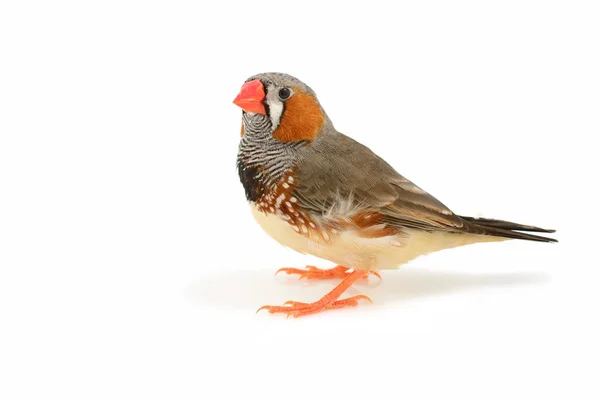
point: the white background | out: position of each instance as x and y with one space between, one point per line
130 266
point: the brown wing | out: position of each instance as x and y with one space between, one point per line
338 174
339 177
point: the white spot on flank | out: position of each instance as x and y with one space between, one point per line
289 205
304 230
285 185
325 235
279 200
334 231
290 179
293 199
296 228
301 220
271 209
312 225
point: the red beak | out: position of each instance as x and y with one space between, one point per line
251 96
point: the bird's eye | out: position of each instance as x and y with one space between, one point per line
284 93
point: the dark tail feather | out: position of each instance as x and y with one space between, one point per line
494 227
496 223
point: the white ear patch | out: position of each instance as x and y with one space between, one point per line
275 111
275 105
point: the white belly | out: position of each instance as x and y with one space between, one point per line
351 250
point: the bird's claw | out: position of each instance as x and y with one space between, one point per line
312 272
298 309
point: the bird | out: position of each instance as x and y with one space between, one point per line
317 191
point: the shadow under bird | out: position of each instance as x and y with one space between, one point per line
319 192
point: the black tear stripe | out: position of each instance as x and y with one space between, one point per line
253 186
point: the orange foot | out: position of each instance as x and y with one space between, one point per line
327 302
316 273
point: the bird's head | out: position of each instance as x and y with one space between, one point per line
282 106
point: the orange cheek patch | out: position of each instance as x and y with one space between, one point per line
301 118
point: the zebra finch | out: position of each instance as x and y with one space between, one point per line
319 192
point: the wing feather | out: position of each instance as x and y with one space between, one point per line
340 170
340 178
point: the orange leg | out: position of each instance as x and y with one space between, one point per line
329 301
316 273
